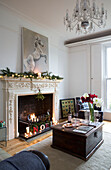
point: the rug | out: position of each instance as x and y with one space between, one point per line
3 154
100 160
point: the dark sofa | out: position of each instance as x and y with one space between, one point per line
26 160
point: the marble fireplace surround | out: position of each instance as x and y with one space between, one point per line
12 88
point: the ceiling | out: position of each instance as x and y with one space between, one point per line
51 12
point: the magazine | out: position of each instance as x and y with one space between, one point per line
83 129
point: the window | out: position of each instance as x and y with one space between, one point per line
108 77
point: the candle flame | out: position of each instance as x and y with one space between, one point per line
33 117
54 121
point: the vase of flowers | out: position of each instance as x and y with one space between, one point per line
92 101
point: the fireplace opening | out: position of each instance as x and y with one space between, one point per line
34 116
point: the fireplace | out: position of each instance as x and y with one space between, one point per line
34 116
13 89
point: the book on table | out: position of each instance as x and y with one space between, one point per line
83 129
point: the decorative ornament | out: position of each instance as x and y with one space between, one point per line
42 127
35 129
40 96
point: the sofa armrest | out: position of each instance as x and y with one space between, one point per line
43 157
26 160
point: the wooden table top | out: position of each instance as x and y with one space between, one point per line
60 127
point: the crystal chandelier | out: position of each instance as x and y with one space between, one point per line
85 17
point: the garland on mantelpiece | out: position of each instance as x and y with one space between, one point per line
44 75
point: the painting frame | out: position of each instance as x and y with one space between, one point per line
35 52
64 105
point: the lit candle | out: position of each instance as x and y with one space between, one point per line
26 135
39 75
37 119
27 129
30 133
12 75
55 122
1 76
35 133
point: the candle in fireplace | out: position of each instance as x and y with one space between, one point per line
26 135
54 121
37 119
27 129
35 133
30 133
33 117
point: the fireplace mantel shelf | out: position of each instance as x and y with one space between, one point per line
29 80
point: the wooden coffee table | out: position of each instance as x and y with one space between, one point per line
75 143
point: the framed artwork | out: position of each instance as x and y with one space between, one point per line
34 51
65 103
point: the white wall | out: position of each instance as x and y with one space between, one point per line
79 70
85 69
10 46
96 51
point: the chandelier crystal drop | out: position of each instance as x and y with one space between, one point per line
85 17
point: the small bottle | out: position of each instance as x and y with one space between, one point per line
69 115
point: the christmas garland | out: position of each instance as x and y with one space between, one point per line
44 75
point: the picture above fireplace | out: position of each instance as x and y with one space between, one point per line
34 51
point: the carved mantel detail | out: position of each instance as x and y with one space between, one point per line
18 85
33 85
36 86
11 106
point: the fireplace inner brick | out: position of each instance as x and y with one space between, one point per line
29 104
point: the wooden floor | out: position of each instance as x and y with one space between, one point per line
16 145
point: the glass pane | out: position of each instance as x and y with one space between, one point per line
108 63
108 94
